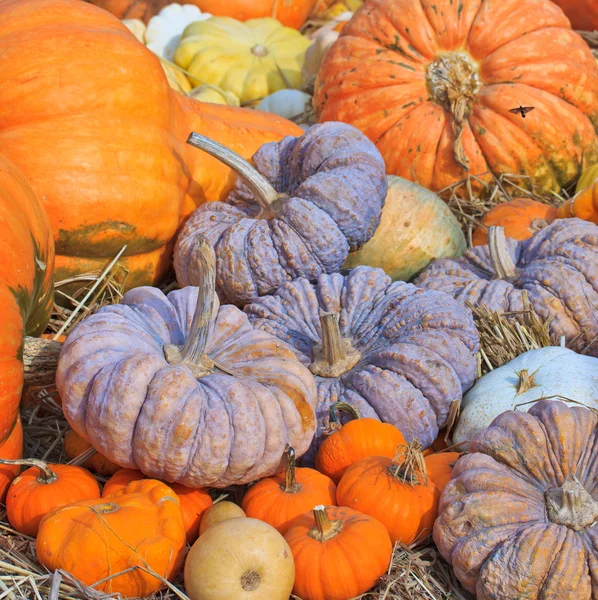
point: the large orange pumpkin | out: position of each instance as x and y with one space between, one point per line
583 14
100 135
433 83
26 269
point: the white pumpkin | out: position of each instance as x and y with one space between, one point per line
314 55
136 27
552 371
165 29
290 104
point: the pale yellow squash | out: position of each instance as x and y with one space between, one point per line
251 59
214 95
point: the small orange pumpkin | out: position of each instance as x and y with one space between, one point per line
356 439
584 205
439 467
75 445
278 500
43 487
94 539
339 553
397 492
521 218
120 480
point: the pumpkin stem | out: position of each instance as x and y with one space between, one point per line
571 505
325 528
193 353
538 224
503 264
351 410
46 475
335 355
453 81
526 381
267 197
290 483
409 465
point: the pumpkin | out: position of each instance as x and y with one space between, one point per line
120 480
339 553
308 202
290 104
292 13
556 269
523 496
240 558
416 227
137 27
394 352
583 14
520 217
176 79
251 59
212 93
26 291
278 500
345 444
119 148
314 55
240 395
439 467
221 511
533 375
43 487
132 9
584 203
75 445
395 491
433 84
95 539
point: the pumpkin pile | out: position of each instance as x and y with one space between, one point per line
319 210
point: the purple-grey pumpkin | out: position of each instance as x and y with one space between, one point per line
184 389
313 199
557 268
397 353
519 517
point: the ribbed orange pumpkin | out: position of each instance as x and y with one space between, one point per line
356 439
278 500
583 14
439 467
120 480
433 83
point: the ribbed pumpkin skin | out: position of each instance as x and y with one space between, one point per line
495 512
26 292
387 75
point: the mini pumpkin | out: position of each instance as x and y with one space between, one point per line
557 268
241 396
308 202
221 511
362 437
439 467
75 446
95 539
278 500
339 553
584 204
43 487
393 351
524 496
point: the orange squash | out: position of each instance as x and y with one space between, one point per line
439 467
143 10
521 218
43 487
278 500
94 539
75 445
353 441
120 480
584 205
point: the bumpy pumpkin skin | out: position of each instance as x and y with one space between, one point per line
417 350
336 183
496 511
392 68
121 398
557 268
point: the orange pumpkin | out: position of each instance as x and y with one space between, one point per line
94 539
521 218
43 487
433 84
584 205
278 500
75 445
120 480
114 136
26 291
339 553
439 467
583 14
134 9
397 492
353 441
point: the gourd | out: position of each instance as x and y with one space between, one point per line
278 500
584 203
221 511
396 353
552 371
416 227
43 487
522 495
555 269
339 553
290 104
432 85
95 539
252 59
240 558
26 293
306 204
235 388
213 94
